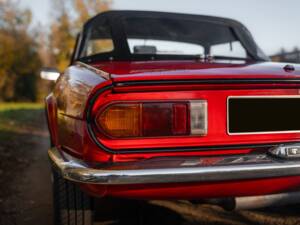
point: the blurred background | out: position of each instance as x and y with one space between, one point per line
41 33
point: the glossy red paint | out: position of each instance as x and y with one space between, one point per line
189 70
51 111
71 94
217 119
73 133
67 113
198 190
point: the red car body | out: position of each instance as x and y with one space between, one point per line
86 88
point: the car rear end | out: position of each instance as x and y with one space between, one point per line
152 108
185 138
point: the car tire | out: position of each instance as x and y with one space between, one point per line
74 207
71 205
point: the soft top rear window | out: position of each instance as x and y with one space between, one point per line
142 35
164 36
197 32
99 40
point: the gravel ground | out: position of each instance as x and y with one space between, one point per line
25 186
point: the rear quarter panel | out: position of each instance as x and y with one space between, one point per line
66 106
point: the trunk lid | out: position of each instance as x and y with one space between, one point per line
216 84
193 70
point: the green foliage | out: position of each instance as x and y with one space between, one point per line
15 117
23 52
20 105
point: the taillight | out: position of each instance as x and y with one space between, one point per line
153 119
122 120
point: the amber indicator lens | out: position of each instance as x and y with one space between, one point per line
153 119
122 120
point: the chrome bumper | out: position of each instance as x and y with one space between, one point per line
175 170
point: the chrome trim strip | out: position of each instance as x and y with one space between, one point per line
76 170
255 97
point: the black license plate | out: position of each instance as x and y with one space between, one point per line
263 114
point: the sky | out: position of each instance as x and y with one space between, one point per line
273 23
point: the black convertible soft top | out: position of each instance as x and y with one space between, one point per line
196 29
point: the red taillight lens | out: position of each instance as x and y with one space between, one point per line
153 119
157 119
181 119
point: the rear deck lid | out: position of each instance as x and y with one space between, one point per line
194 70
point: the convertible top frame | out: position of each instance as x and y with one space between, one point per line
121 50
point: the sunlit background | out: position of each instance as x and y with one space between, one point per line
44 31
274 23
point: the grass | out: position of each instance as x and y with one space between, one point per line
17 117
22 105
22 126
23 143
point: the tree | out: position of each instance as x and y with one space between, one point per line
85 9
66 25
18 52
61 37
